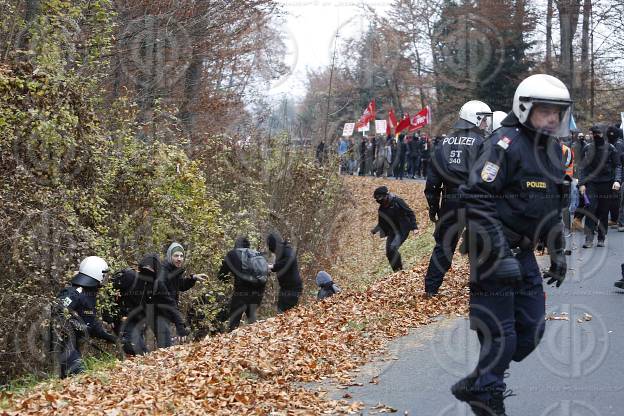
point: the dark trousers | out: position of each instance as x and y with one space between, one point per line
598 213
69 357
393 244
399 169
240 305
415 166
287 299
447 233
509 321
614 206
424 166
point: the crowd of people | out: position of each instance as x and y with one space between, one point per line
147 297
397 156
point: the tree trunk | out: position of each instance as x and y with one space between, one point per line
549 18
568 21
585 71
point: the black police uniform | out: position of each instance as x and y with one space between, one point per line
82 322
452 159
513 198
395 220
600 167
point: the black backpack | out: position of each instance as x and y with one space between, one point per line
254 267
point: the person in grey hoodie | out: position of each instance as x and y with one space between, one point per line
327 287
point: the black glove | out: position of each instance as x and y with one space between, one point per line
508 271
374 231
433 215
558 268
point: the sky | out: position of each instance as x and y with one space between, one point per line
309 31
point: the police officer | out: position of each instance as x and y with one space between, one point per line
513 199
600 173
451 161
395 220
76 315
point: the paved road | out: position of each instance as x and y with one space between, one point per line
578 369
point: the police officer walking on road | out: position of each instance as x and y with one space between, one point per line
513 198
451 161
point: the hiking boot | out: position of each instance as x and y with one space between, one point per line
601 243
464 391
619 284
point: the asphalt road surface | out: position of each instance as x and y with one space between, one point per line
578 369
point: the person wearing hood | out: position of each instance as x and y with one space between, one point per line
286 267
146 302
395 220
615 205
247 295
76 315
177 279
451 162
401 157
601 172
327 287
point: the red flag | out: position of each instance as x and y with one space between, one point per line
392 120
369 114
388 130
403 124
420 120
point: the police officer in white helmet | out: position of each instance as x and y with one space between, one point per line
513 199
74 315
451 161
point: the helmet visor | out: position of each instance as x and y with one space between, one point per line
550 117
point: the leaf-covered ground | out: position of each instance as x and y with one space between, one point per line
257 369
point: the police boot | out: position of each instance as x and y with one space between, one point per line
620 283
494 406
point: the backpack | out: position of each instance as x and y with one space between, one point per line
254 267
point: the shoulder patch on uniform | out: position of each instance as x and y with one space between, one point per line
489 172
67 301
504 142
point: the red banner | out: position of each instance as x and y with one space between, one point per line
392 120
368 116
403 124
421 119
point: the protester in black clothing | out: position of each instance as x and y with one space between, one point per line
395 220
415 148
247 296
399 166
601 172
286 268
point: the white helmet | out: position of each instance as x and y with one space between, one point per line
93 267
543 89
474 112
497 119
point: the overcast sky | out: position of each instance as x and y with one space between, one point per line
309 32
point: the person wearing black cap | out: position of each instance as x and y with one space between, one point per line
395 220
75 315
600 173
248 293
286 268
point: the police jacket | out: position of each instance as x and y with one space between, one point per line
82 302
515 192
395 218
600 163
451 161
